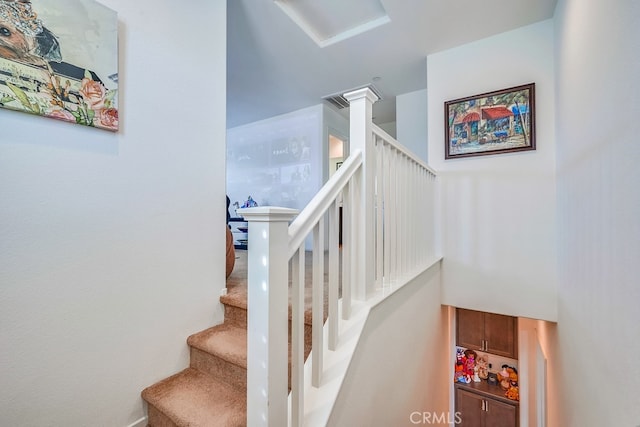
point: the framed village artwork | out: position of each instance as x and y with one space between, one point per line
59 59
496 122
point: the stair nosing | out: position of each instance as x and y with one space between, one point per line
234 302
237 356
154 393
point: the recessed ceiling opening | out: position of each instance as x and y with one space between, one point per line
331 21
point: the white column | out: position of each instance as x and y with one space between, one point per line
361 137
267 327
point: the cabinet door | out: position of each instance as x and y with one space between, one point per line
469 405
501 335
470 328
500 414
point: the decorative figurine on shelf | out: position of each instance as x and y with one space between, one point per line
503 377
513 393
470 364
483 366
459 375
250 203
513 376
508 377
476 377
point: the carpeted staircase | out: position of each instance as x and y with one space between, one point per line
212 391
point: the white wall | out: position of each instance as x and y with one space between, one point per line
596 360
278 161
411 119
390 128
498 211
527 374
112 244
399 366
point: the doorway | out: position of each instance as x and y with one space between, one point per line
338 150
336 153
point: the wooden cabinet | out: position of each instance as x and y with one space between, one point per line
481 410
470 408
492 333
470 329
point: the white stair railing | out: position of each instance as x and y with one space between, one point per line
387 198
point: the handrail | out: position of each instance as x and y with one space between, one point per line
379 234
321 202
378 131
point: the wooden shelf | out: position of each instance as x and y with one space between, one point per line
488 390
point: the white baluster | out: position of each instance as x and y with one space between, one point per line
334 264
347 200
317 304
393 216
387 209
379 260
297 337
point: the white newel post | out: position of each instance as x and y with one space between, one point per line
363 224
267 322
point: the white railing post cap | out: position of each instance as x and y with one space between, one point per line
267 213
361 93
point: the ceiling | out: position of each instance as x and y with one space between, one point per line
275 62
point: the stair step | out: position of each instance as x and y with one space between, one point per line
235 316
221 351
194 399
212 391
225 341
235 298
235 307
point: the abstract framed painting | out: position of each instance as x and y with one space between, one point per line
59 59
501 121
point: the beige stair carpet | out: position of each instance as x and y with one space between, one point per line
212 391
